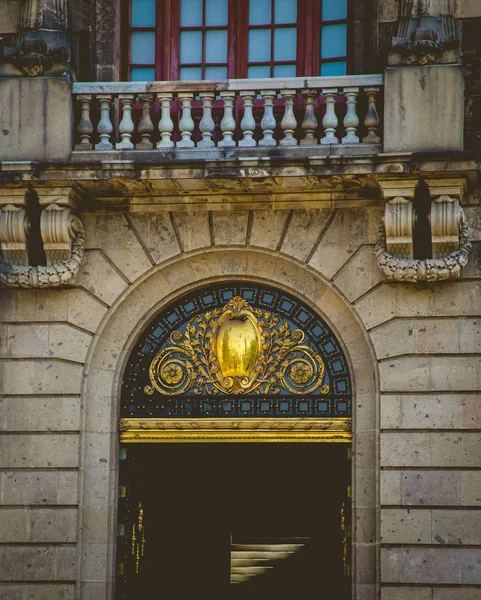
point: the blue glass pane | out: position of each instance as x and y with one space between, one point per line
259 45
285 41
190 73
334 10
142 47
333 41
260 12
142 74
332 69
285 71
216 12
216 46
190 13
285 11
142 13
216 73
190 47
258 72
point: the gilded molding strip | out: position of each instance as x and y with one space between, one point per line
235 430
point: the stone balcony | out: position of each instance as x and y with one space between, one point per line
319 116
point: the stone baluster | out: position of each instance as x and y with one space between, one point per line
228 123
351 120
166 125
206 124
104 127
371 121
330 120
146 127
268 122
248 123
85 127
126 125
186 123
309 123
288 123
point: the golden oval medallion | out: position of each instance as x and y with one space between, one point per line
237 347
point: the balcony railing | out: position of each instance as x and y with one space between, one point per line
243 113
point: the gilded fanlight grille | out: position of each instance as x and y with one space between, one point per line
190 363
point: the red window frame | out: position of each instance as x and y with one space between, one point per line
167 64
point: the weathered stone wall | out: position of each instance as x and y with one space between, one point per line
415 355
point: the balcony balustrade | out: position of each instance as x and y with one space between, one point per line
247 114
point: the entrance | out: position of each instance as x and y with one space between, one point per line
255 520
235 431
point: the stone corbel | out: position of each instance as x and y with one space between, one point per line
398 216
451 241
14 228
63 238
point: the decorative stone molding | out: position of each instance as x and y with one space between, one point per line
35 58
63 238
424 37
14 228
41 47
430 270
398 223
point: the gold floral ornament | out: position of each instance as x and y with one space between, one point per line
237 350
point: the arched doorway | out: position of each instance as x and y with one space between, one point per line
226 365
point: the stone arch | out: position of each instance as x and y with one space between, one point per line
106 361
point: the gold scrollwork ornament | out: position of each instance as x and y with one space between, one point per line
237 350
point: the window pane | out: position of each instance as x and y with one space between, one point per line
142 74
216 46
216 72
259 45
285 11
142 47
285 71
142 13
190 13
334 10
258 72
190 73
332 69
259 12
216 12
333 41
285 43
191 47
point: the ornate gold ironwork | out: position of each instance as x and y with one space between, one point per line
235 430
237 350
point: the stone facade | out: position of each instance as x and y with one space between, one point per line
156 228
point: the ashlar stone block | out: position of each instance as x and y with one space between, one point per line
424 108
405 526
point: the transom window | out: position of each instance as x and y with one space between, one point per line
218 39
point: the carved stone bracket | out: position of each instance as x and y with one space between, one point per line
451 241
412 270
63 237
14 228
425 39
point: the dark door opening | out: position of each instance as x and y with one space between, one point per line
241 520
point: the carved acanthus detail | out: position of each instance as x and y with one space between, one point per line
398 222
57 228
445 223
14 227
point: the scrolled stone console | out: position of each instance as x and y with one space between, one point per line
63 238
450 236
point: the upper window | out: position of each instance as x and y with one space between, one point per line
216 39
